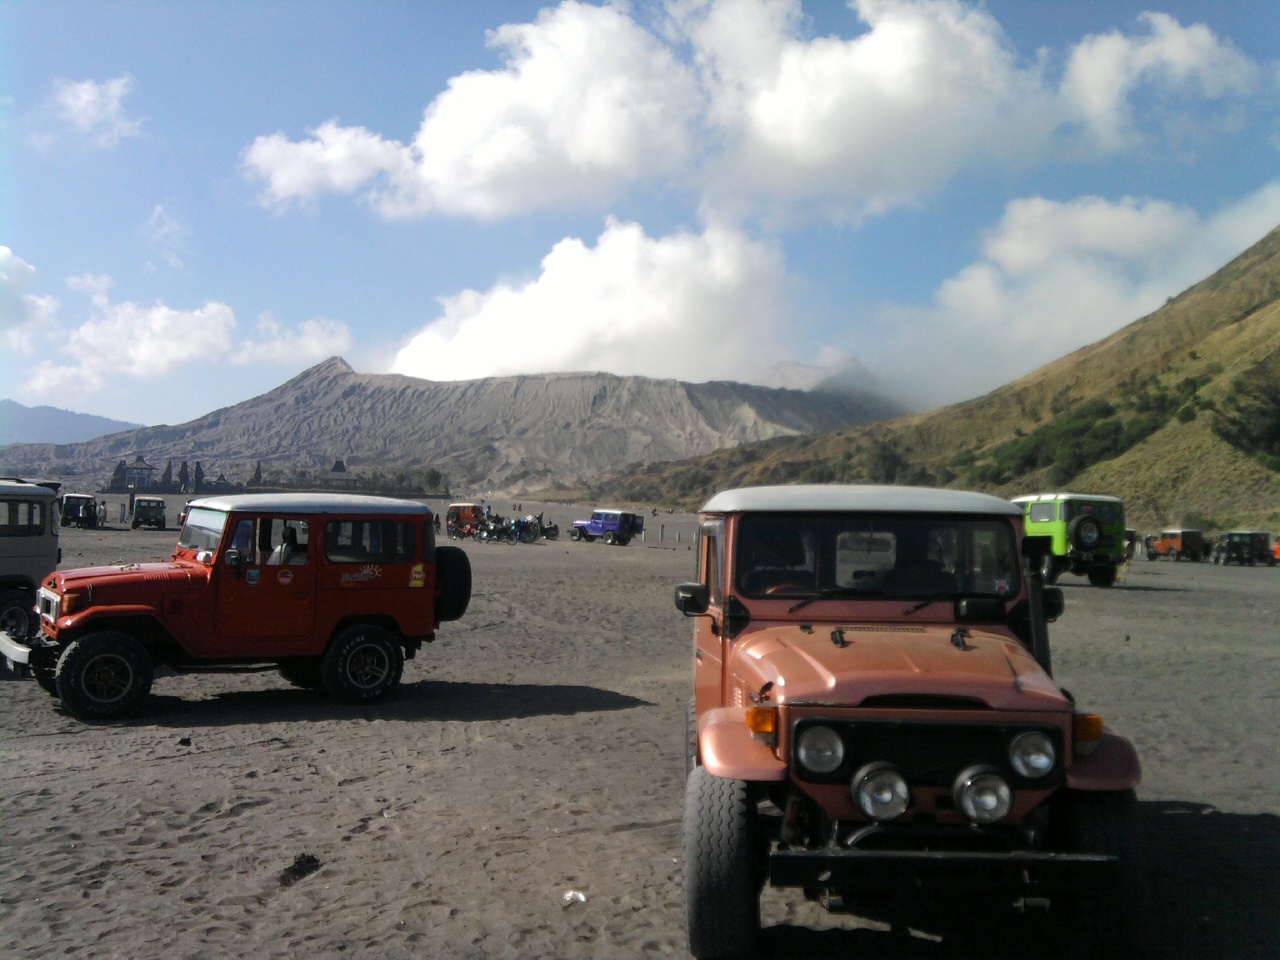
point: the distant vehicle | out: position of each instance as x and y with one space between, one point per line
80 510
1246 547
336 591
29 550
1178 544
1087 532
615 527
462 520
148 512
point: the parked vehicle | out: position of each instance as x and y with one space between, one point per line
462 520
1178 544
80 510
874 721
29 550
148 512
1087 533
1247 547
527 529
550 531
334 591
615 527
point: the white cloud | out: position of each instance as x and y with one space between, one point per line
587 102
168 235
1104 73
313 340
689 306
96 109
1054 277
25 318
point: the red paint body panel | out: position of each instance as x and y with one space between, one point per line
1113 765
729 750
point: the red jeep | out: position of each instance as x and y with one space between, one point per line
336 591
875 721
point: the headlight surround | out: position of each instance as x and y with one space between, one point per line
982 795
820 749
881 791
1032 754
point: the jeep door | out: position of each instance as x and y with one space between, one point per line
708 642
269 596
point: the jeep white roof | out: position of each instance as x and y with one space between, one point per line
303 503
835 497
1099 497
21 488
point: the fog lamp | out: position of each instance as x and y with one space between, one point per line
1032 754
881 791
820 750
981 794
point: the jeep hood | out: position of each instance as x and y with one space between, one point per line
126 576
808 665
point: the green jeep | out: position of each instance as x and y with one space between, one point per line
1087 529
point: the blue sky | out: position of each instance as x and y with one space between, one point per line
198 201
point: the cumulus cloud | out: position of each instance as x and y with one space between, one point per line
587 102
96 110
1054 277
24 317
730 97
690 306
313 340
1105 72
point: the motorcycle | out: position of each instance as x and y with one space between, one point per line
527 530
549 530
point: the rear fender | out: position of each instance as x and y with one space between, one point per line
1112 766
728 749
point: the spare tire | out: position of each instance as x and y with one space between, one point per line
1085 533
453 583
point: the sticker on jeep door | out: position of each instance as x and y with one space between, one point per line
417 575
364 574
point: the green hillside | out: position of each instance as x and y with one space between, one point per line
1178 413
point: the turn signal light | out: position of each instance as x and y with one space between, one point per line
1088 733
763 724
71 602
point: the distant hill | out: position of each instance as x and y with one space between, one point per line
494 433
1178 413
21 424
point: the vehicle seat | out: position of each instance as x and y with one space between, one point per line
288 552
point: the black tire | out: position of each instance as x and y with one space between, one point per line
453 583
1173 554
1152 555
551 533
609 538
1106 921
722 877
135 525
690 736
302 672
47 681
17 613
622 541
1103 576
104 675
1085 532
363 663
1050 570
575 534
161 524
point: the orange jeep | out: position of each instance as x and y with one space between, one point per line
334 591
875 722
1178 544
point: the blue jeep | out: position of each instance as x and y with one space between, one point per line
616 526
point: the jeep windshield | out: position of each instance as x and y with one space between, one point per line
203 529
875 556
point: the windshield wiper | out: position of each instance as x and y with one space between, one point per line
920 605
836 593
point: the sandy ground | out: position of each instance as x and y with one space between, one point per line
534 752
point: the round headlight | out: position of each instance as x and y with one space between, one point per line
881 791
820 750
982 795
1032 754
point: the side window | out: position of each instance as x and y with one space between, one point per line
284 539
369 541
710 559
1043 512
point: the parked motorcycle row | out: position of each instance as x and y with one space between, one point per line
498 529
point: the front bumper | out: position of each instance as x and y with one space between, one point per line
1020 872
15 651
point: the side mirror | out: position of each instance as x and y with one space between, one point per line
693 599
1054 603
